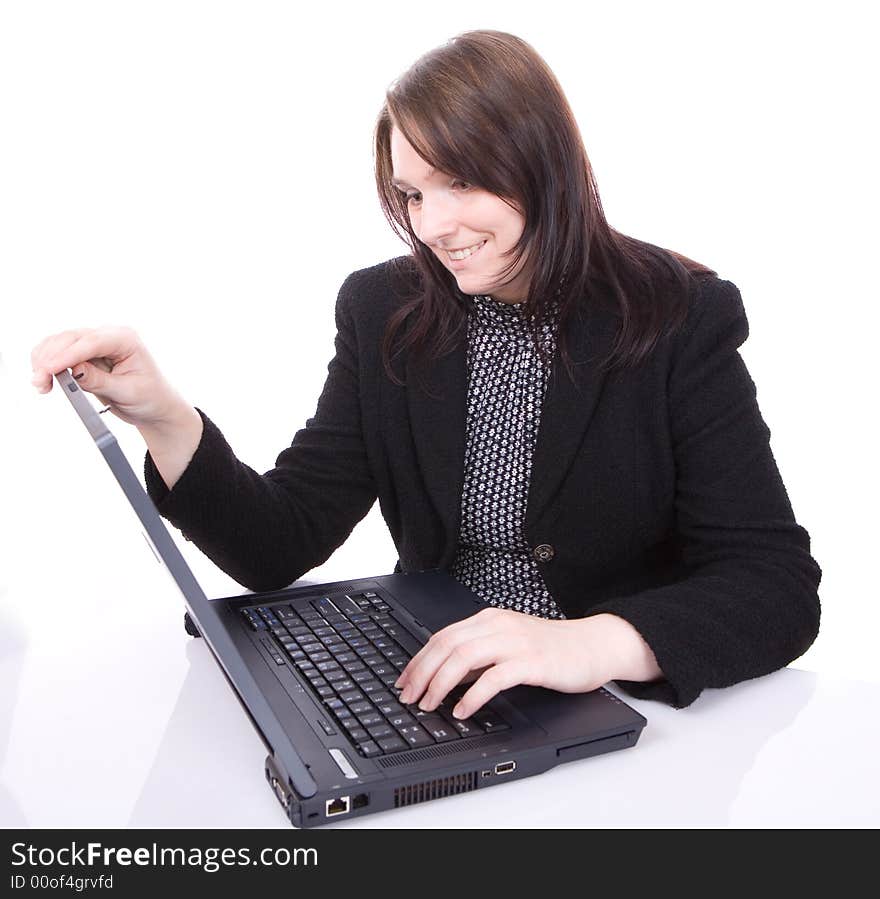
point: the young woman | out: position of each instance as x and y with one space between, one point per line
553 412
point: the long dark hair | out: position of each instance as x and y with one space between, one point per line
486 108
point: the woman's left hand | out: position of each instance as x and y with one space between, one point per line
512 648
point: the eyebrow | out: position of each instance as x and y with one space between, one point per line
397 182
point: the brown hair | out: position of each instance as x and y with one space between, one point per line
486 108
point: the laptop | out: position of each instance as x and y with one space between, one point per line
314 669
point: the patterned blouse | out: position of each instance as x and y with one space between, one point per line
506 386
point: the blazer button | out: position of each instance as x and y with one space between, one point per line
543 553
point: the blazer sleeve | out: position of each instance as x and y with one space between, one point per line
267 530
749 604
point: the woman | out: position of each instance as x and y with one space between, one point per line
553 412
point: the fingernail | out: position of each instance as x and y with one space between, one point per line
458 712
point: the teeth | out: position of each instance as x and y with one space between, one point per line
468 251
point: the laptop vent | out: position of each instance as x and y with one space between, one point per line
435 752
435 789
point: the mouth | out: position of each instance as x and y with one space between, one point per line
458 258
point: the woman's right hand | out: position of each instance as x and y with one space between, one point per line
115 366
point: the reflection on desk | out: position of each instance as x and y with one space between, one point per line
793 749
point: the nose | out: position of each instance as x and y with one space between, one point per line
437 221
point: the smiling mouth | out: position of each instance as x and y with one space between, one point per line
466 253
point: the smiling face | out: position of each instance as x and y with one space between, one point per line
467 228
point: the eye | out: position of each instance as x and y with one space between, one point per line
464 184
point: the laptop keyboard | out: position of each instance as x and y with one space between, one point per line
351 649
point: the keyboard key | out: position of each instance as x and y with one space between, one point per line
359 735
346 605
378 731
370 719
351 696
389 708
324 606
361 708
416 736
392 744
439 729
369 749
489 721
401 720
467 727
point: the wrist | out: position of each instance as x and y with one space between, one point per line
179 417
623 652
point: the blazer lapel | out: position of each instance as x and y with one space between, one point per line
568 407
438 428
439 422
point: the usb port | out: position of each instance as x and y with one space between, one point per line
505 767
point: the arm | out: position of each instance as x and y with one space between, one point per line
172 444
750 605
267 530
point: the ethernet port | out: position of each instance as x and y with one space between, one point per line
362 800
338 806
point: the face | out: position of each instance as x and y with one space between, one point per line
448 215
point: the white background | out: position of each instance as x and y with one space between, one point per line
203 172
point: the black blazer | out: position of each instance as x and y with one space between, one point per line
654 492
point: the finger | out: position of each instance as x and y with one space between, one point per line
472 627
499 677
91 378
424 664
46 349
467 657
113 344
53 345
